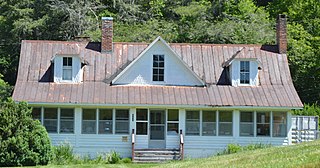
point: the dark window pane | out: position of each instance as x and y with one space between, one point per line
225 116
155 78
142 114
173 129
161 64
66 121
155 64
173 115
105 114
155 71
36 113
246 117
263 117
69 61
142 128
161 57
209 116
155 58
161 71
161 78
89 114
65 61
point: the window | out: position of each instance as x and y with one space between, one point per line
192 123
142 122
246 123
173 122
66 121
263 123
89 121
279 124
225 123
208 123
244 72
50 121
158 68
36 113
67 68
122 121
105 121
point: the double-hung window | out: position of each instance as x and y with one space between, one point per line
158 68
208 123
246 123
89 121
105 121
263 123
225 123
122 121
244 72
279 124
66 120
50 120
193 123
142 122
67 68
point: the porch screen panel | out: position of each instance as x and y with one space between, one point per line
279 124
208 123
67 121
142 122
173 122
50 120
89 121
122 121
192 123
225 123
263 123
246 123
105 121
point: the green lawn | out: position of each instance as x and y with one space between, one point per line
302 155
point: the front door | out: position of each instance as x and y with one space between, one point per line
157 129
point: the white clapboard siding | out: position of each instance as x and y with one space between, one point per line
141 141
254 73
204 146
172 141
58 139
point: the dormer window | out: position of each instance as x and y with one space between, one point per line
244 72
67 68
158 68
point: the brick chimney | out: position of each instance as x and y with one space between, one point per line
282 33
106 34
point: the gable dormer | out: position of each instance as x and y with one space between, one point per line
158 64
244 72
67 69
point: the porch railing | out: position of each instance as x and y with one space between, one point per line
181 145
132 141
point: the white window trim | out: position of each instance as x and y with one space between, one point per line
249 73
164 71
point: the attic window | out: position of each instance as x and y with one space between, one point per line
158 68
244 72
67 68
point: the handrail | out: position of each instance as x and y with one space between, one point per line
181 145
132 141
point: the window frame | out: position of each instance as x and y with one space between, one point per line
225 122
252 123
246 72
145 121
67 68
158 68
194 121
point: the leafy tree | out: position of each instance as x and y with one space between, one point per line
23 141
5 90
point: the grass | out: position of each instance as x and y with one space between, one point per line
302 155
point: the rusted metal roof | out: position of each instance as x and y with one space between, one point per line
206 60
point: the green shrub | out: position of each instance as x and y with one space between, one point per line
125 160
23 141
235 148
113 157
63 154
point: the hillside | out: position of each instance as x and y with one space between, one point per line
302 155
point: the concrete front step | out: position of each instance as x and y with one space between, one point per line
155 155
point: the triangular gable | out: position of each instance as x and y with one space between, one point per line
139 71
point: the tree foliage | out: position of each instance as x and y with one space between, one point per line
23 141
